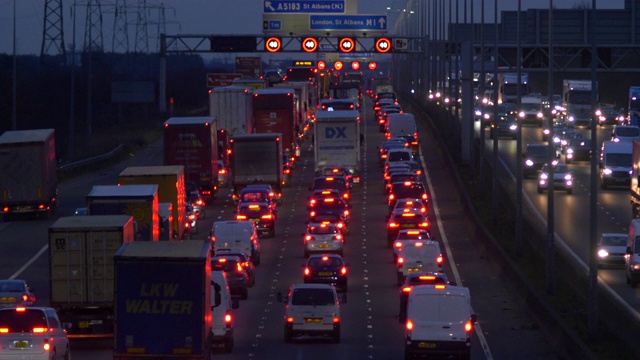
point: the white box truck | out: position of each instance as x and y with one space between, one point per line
337 141
576 98
231 105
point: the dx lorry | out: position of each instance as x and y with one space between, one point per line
337 141
28 173
257 159
163 300
81 250
192 142
139 201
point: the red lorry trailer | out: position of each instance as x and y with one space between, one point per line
274 111
192 142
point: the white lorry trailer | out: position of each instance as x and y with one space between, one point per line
337 141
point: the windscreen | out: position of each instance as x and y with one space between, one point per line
22 321
313 297
399 156
628 131
618 160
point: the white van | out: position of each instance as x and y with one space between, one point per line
236 235
312 309
616 163
632 260
419 256
439 321
221 305
404 125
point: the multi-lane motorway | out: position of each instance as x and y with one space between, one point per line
506 329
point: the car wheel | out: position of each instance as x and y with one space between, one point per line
245 294
336 336
228 345
288 335
539 190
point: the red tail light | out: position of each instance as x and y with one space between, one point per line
267 217
227 319
400 260
336 320
409 325
440 260
307 271
406 289
241 217
391 196
398 244
39 330
424 196
239 268
25 297
343 271
468 326
4 330
222 171
46 346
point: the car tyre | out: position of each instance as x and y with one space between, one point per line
288 335
228 345
336 336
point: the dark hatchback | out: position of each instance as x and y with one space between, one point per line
407 189
578 149
237 276
261 214
326 269
534 157
405 219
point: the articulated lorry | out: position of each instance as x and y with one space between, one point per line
28 173
192 142
508 87
81 250
163 301
275 111
231 106
139 201
256 159
171 189
337 141
576 97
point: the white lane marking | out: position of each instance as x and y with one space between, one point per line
454 268
28 263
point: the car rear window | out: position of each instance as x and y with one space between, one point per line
22 321
403 191
324 183
313 297
227 264
399 156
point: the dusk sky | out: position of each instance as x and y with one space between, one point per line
197 17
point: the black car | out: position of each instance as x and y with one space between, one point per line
326 269
331 206
406 218
534 157
578 149
506 126
417 279
407 189
237 275
261 214
339 183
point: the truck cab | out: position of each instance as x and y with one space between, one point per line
615 164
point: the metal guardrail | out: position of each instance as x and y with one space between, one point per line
91 160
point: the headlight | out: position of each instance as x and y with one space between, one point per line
544 176
539 115
487 116
513 127
569 151
521 114
478 113
571 118
602 253
567 177
556 139
546 131
607 171
528 162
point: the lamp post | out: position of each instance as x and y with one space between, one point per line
14 91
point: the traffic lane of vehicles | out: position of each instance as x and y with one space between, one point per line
614 212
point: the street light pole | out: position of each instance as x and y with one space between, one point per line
593 223
519 197
14 90
551 156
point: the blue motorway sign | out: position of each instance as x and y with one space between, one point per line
275 25
304 6
348 22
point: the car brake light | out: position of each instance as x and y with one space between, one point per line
468 326
336 320
241 217
424 224
307 271
346 196
330 200
426 277
439 260
239 268
393 225
227 319
222 171
391 196
312 214
406 289
4 330
290 319
308 238
424 196
25 297
409 325
398 244
39 330
343 270
440 287
267 217
400 260
254 207
46 346
346 212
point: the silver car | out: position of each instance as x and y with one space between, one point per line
16 293
323 238
611 249
33 333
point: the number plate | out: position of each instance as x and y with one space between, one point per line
325 273
324 246
21 344
256 220
8 299
413 270
84 324
409 225
427 345
313 320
